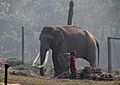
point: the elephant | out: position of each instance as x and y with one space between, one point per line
65 39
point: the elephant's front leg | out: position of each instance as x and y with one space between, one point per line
57 67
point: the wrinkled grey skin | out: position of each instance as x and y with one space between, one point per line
65 39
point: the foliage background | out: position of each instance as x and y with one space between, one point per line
100 17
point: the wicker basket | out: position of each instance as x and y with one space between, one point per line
64 60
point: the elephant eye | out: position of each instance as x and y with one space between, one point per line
45 39
42 38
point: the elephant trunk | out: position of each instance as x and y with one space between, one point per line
44 54
46 59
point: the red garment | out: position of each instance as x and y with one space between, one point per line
73 63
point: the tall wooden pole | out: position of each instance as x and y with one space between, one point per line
109 56
22 44
70 13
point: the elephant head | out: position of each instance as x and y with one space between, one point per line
49 38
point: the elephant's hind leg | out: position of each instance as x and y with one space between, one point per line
93 62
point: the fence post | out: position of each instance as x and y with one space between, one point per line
6 69
70 13
109 56
22 44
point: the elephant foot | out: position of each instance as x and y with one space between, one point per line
42 72
58 71
57 74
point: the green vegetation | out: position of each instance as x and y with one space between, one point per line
117 71
14 61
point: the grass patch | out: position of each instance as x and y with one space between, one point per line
117 71
46 81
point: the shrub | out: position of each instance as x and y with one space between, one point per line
14 61
117 71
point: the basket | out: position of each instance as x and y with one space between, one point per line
64 60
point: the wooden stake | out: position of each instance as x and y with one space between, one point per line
109 56
6 69
22 44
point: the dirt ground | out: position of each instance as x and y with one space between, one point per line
22 80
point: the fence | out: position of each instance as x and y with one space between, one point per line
109 53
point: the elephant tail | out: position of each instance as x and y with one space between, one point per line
98 52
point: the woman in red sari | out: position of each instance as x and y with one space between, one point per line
73 64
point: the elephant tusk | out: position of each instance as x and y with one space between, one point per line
46 59
36 59
45 62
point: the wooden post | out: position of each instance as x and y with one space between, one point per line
109 56
70 13
6 69
22 44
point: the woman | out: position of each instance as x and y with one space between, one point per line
73 64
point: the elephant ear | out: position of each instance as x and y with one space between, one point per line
59 37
